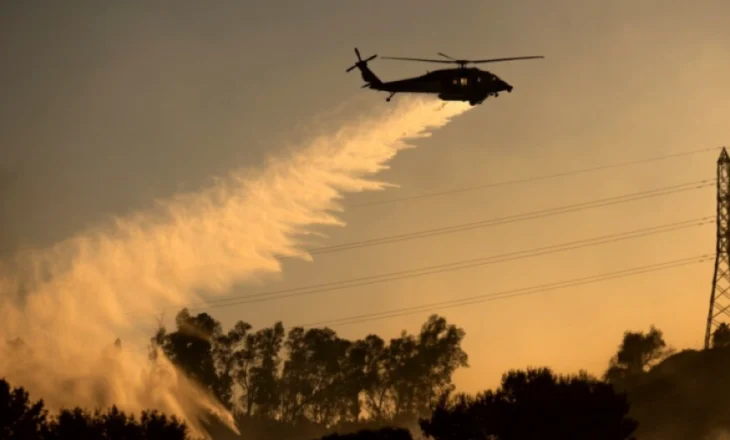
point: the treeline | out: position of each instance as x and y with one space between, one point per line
24 419
305 383
311 384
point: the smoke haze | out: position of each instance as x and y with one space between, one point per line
69 302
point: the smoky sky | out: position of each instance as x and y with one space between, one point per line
108 106
7 179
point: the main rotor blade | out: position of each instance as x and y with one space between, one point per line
496 60
418 59
446 56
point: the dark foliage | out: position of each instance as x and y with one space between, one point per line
684 396
721 336
535 404
368 434
680 396
313 384
19 417
324 384
22 419
637 353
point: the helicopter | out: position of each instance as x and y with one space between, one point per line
456 84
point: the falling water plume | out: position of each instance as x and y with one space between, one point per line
69 302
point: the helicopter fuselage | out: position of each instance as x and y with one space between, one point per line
460 84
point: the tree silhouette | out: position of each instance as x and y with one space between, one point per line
324 380
191 348
684 396
721 336
372 374
313 383
250 361
638 352
313 378
405 378
20 419
535 404
369 434
115 424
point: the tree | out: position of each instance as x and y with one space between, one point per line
368 434
231 359
191 348
721 336
252 361
115 424
419 369
330 380
372 353
638 352
325 380
154 424
358 375
535 404
683 397
313 376
440 354
21 419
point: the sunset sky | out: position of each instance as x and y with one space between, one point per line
108 106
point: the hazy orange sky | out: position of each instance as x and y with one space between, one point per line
107 106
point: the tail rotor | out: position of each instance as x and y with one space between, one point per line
360 62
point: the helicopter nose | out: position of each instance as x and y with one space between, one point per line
506 87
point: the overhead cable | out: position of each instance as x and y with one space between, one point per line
624 198
532 179
512 293
453 266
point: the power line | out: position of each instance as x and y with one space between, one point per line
532 179
284 293
515 218
458 265
511 293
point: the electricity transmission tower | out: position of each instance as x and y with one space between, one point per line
720 297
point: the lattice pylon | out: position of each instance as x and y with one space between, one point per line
720 296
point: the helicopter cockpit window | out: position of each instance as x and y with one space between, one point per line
464 81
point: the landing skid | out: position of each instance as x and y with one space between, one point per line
390 97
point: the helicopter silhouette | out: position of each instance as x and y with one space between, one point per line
457 84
